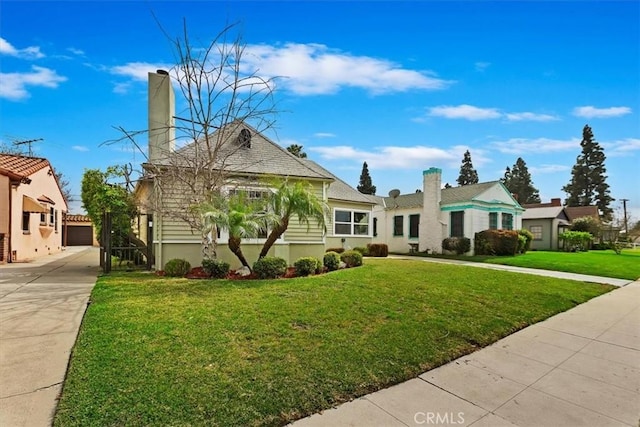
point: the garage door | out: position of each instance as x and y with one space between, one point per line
79 235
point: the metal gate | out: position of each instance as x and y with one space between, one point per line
125 252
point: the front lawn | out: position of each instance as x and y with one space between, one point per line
158 351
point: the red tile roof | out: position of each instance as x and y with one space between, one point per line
22 166
77 218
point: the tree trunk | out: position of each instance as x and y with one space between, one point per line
273 236
234 246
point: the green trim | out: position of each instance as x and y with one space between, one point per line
431 171
510 209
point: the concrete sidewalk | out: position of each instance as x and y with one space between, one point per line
41 307
578 368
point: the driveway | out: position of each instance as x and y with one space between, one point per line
41 307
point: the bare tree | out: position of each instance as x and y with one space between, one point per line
193 154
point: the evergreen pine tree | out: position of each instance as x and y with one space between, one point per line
468 174
588 180
296 150
366 186
518 181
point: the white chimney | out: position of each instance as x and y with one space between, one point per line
161 112
430 227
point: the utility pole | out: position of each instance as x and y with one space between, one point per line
624 209
29 141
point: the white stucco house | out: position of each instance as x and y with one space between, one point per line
421 220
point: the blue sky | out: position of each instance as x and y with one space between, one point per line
402 85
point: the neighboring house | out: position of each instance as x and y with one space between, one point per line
248 160
574 212
78 231
421 220
546 221
31 209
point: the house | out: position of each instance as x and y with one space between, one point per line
31 209
421 220
546 221
245 159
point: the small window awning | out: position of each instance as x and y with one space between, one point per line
32 205
46 199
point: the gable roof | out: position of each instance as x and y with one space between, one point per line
574 212
460 194
545 212
20 167
260 156
338 189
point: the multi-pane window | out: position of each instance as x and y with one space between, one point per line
536 230
507 221
493 220
398 225
350 223
414 226
52 216
457 224
43 215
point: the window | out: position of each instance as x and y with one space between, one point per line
493 220
56 221
25 222
457 224
507 221
536 230
375 227
252 195
350 223
398 225
52 216
414 226
43 216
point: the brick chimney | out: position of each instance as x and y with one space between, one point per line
556 202
161 109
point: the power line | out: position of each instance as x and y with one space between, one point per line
29 141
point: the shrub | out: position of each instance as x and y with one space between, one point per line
306 265
332 260
215 268
336 250
177 267
588 224
522 243
496 242
351 258
529 238
363 251
378 249
459 245
270 267
575 240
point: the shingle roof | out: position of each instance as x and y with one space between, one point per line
574 212
544 212
451 195
338 189
21 166
262 157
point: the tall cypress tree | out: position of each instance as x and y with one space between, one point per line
366 185
518 182
588 180
468 174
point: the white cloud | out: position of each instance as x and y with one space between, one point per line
395 157
481 66
121 88
315 69
80 148
464 111
31 52
537 145
138 70
324 135
13 86
527 116
602 113
75 51
548 169
623 146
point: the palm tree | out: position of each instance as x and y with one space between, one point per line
237 214
291 199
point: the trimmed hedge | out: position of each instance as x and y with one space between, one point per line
496 242
270 267
363 251
215 268
351 258
336 250
307 265
378 249
528 238
177 267
459 245
332 261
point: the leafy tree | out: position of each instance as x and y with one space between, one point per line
588 180
288 200
366 185
468 174
296 150
518 182
447 185
102 193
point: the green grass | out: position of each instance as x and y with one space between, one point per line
158 351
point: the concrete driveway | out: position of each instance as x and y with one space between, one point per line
41 307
